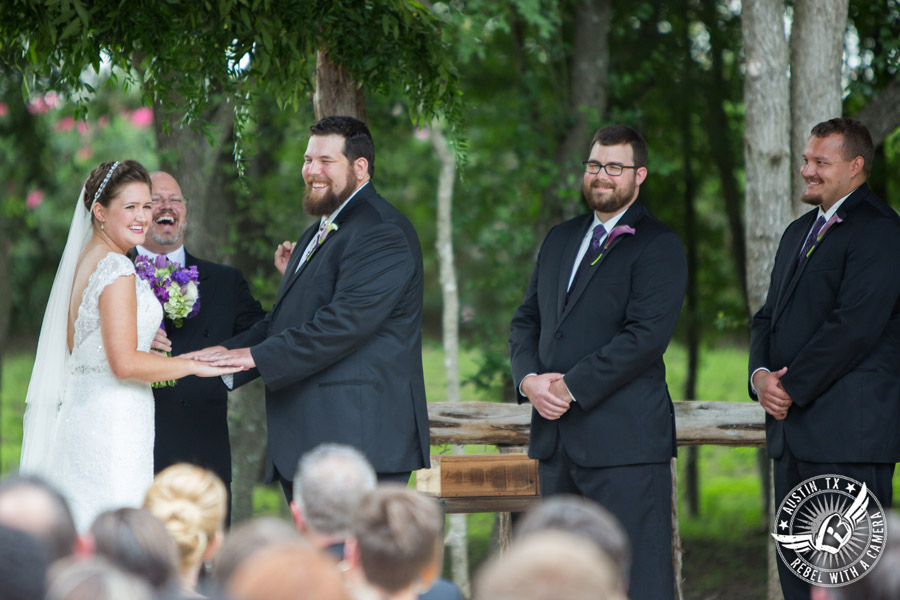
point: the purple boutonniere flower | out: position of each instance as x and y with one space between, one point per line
616 232
834 220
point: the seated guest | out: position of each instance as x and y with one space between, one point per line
34 506
583 517
329 485
248 538
23 565
397 542
192 503
95 578
137 542
549 565
288 572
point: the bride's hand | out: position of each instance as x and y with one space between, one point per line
161 342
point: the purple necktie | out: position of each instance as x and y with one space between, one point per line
811 239
590 256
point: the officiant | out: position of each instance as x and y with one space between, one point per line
191 417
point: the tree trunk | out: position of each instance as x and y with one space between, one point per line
193 161
587 99
817 45
457 536
882 115
767 190
337 94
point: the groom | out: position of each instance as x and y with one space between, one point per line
341 351
191 417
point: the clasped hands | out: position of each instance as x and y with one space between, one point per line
548 394
215 356
771 394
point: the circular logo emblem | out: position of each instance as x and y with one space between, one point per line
830 530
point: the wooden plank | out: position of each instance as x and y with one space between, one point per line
697 422
491 504
476 475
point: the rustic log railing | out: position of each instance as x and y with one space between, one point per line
696 423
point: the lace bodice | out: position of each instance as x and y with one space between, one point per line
88 353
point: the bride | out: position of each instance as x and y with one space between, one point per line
89 417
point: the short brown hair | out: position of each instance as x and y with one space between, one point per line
857 140
397 532
615 135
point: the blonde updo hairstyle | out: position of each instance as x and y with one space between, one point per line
192 503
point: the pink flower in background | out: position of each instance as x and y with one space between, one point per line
34 199
65 124
51 99
38 106
84 153
142 117
83 127
103 121
4 108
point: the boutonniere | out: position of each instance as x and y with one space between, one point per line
616 232
320 237
834 220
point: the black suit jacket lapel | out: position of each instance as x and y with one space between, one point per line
631 217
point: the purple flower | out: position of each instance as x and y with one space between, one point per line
181 277
834 220
616 232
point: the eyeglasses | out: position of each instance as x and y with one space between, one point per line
176 200
613 170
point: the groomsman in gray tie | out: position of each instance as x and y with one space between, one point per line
825 347
341 350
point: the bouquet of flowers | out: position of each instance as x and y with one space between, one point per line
175 287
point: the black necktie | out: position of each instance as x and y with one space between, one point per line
590 256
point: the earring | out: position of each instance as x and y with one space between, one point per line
101 226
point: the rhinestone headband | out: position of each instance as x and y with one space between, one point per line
100 189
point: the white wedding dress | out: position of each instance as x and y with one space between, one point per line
103 450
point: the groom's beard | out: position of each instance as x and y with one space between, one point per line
331 201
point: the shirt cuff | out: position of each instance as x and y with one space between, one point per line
571 395
521 393
228 380
753 389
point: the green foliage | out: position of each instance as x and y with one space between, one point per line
182 52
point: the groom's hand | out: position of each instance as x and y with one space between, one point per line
240 357
202 354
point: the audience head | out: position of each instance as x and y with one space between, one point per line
95 578
32 505
136 541
23 565
192 503
398 537
585 518
288 572
882 582
330 483
126 172
548 565
247 539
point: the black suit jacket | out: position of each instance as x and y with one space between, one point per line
341 350
191 417
835 323
608 341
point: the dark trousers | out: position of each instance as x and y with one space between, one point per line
789 471
640 496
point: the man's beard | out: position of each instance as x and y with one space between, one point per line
609 203
168 239
331 201
814 198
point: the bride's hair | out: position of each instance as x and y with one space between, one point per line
127 171
192 503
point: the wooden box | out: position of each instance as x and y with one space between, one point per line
479 475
